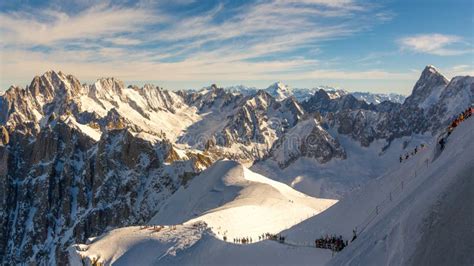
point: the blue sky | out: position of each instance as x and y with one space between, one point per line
379 46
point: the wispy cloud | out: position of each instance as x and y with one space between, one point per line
436 44
50 27
460 70
144 42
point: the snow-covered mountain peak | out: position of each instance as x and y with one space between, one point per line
277 85
279 90
45 87
109 85
214 87
333 93
211 98
322 94
431 69
427 89
430 72
148 86
241 89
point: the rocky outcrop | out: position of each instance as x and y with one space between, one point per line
4 136
321 102
212 98
307 139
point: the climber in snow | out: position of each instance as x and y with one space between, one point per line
354 232
442 142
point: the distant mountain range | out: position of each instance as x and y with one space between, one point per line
281 91
77 160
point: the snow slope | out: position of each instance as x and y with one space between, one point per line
137 244
227 194
427 220
187 245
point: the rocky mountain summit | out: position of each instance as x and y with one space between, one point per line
427 89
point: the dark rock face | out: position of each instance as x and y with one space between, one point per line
59 185
430 82
306 139
213 98
322 103
63 187
259 119
321 146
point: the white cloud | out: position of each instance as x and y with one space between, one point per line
460 70
124 41
102 36
49 27
436 44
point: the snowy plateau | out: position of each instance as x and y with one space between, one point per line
109 174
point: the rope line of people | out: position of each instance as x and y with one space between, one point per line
333 243
243 240
156 228
248 240
456 121
413 152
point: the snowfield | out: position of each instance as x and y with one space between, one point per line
420 213
237 202
337 178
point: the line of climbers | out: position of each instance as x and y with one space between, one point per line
333 243
243 240
412 153
269 236
157 228
273 237
456 121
